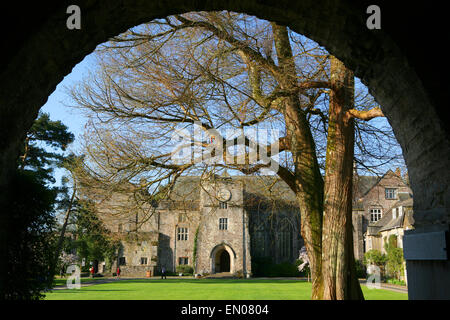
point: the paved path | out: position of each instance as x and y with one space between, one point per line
388 286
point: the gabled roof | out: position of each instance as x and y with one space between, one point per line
376 180
393 223
363 184
188 187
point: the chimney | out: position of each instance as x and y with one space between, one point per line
406 178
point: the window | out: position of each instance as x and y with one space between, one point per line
223 224
285 239
390 193
285 243
259 243
144 260
182 234
223 205
375 215
122 261
183 260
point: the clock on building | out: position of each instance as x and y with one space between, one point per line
224 194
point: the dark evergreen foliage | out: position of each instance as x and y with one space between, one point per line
30 239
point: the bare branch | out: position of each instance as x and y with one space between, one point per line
365 115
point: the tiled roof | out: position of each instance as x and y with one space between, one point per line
362 184
188 187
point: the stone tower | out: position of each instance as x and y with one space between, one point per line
223 241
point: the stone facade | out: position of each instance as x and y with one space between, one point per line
258 218
217 225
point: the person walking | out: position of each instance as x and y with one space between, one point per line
163 273
92 271
118 273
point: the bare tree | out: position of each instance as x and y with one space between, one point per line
217 71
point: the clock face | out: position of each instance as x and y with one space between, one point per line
224 194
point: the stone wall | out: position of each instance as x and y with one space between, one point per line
358 235
375 198
236 237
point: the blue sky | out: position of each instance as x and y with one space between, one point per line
57 102
56 106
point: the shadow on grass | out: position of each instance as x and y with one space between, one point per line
213 281
84 291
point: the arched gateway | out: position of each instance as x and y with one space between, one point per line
222 259
400 73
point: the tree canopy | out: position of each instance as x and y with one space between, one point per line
216 71
199 92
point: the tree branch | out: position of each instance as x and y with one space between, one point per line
253 54
365 115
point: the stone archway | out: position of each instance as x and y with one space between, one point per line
223 259
405 78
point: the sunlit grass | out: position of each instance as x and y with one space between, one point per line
60 281
205 289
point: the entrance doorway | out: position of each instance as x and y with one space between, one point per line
224 261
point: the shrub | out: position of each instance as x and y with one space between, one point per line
394 263
286 269
184 269
167 273
97 275
374 257
397 282
360 269
261 266
85 268
306 272
264 267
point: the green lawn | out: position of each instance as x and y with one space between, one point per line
204 289
62 281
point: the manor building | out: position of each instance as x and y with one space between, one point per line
215 225
381 206
223 224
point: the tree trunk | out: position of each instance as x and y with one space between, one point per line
59 244
338 263
307 176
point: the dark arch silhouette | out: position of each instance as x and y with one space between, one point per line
401 72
